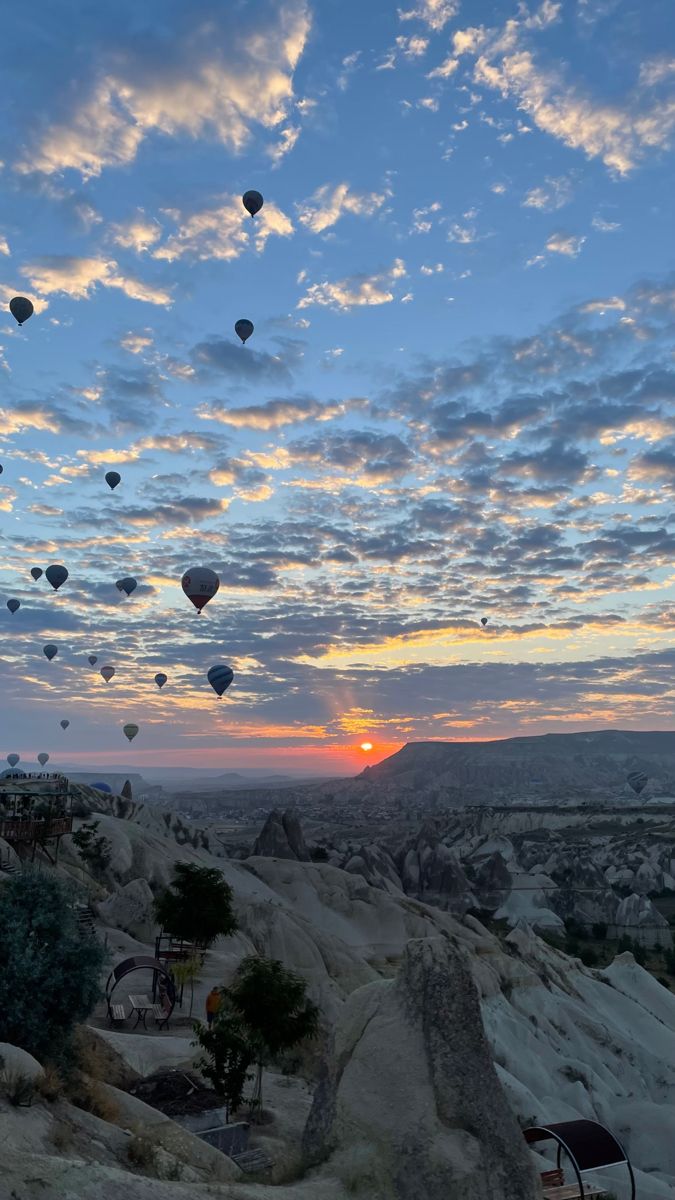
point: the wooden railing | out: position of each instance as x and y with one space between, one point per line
37 829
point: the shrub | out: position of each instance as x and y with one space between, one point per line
318 854
90 1095
142 1153
228 1058
49 972
50 1085
599 930
95 851
17 1087
589 956
197 907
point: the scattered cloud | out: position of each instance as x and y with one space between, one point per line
434 13
565 243
79 277
222 232
356 290
552 194
328 204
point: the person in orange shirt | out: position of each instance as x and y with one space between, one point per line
214 1001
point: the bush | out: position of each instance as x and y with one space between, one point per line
197 907
90 1095
49 972
318 854
142 1153
50 1085
17 1087
589 956
599 930
95 851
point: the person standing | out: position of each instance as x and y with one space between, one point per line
214 1001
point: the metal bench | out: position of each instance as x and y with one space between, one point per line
160 1014
570 1191
117 1013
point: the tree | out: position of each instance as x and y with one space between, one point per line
599 929
49 970
273 1006
94 850
188 971
197 907
228 1056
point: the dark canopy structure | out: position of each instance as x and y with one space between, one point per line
588 1145
141 962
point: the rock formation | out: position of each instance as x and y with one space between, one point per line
432 1114
282 837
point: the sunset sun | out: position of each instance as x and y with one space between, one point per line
366 746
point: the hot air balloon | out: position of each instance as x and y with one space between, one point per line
13 759
21 309
483 621
50 651
107 673
638 781
1 468
220 678
243 329
64 723
252 202
43 758
127 585
199 585
160 679
92 660
130 732
112 479
36 572
56 575
13 605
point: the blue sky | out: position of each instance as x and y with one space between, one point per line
457 401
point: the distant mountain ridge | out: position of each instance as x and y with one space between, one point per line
579 764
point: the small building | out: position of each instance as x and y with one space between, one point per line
35 811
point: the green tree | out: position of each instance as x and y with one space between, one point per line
95 850
599 930
188 971
227 1059
273 1006
49 970
589 956
197 907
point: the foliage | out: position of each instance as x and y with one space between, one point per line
142 1153
318 854
589 956
188 971
575 929
49 972
599 930
273 1005
95 851
669 958
16 1086
50 1084
197 907
228 1057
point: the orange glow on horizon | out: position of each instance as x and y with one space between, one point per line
366 746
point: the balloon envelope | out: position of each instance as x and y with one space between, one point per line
50 651
64 724
483 620
112 479
107 673
199 585
21 309
130 732
13 605
43 758
127 585
36 572
252 202
13 759
56 575
638 781
220 678
243 329
92 660
160 679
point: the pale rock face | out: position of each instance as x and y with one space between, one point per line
282 837
130 910
19 1061
638 919
433 1113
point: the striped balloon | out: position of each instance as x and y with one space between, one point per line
220 678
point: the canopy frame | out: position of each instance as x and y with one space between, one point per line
589 1146
141 962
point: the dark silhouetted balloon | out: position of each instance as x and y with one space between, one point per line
638 781
21 309
160 679
200 584
64 723
36 572
220 678
43 758
56 575
243 329
127 585
1 468
13 759
13 605
252 202
107 673
92 660
483 620
112 479
50 651
130 732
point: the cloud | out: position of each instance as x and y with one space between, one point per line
619 134
445 69
554 193
78 278
565 243
434 13
218 356
603 226
4 245
136 343
327 205
356 290
219 79
274 414
139 233
223 232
